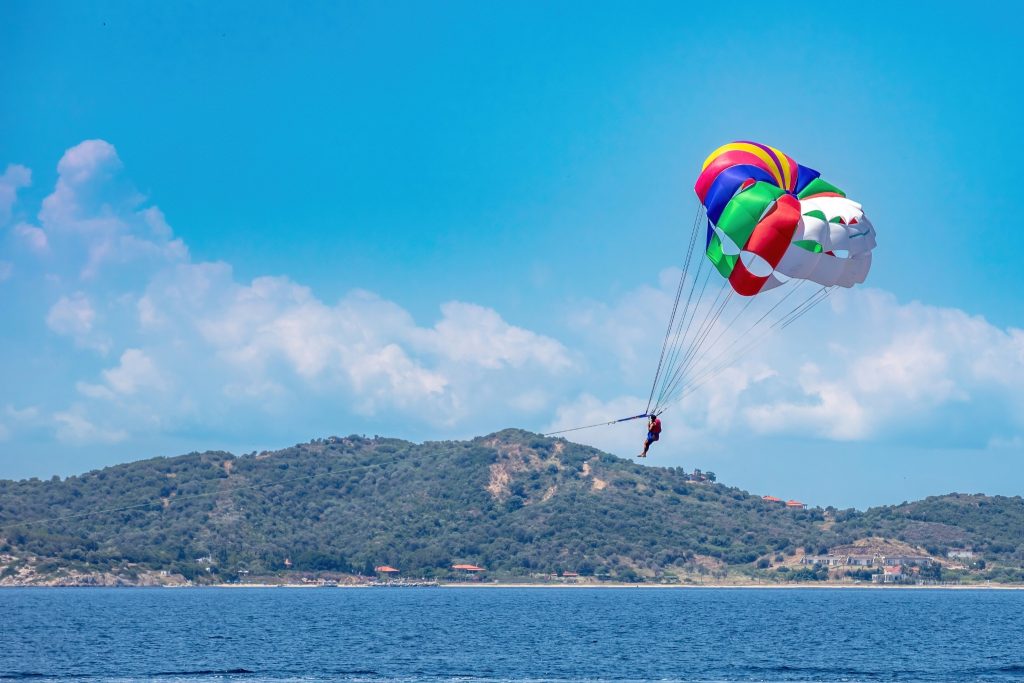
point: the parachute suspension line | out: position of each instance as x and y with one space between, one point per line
827 294
696 351
667 347
746 333
700 336
675 304
683 330
713 367
785 320
699 358
728 327
717 364
668 333
689 313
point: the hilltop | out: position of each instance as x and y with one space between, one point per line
516 503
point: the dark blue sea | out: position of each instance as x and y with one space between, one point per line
510 634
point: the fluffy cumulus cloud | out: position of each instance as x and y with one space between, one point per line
860 367
95 221
72 315
33 238
889 369
135 372
14 178
478 336
75 429
272 338
179 345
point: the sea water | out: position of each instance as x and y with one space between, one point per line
511 634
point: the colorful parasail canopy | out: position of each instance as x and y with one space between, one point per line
771 219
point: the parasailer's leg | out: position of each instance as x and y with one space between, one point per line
651 438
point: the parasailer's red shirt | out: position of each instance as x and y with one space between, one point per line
656 426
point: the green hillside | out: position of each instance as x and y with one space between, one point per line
516 503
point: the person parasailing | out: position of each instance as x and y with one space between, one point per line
653 433
769 222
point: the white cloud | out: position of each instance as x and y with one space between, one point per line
630 328
32 237
864 367
96 221
831 410
157 222
95 390
15 177
26 414
83 174
468 333
134 374
896 368
72 315
136 371
6 270
18 420
75 429
273 336
195 345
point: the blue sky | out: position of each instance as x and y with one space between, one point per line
247 225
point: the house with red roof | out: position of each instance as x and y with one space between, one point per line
890 574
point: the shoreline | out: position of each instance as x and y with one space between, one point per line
741 586
574 586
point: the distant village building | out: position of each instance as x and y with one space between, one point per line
468 568
960 554
796 505
287 563
906 560
878 555
771 499
385 569
890 574
570 575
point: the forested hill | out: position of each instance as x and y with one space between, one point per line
513 502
